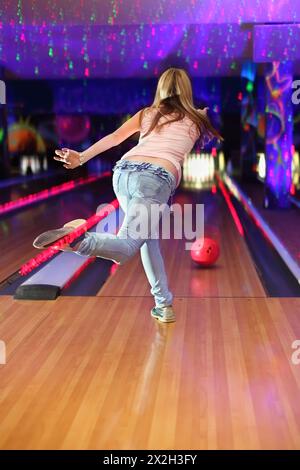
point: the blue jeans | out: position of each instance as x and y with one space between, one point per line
135 184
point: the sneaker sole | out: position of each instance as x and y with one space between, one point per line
46 239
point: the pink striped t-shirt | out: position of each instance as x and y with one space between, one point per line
173 142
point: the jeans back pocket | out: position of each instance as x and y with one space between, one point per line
146 185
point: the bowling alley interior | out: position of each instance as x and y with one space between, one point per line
84 362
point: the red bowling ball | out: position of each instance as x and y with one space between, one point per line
205 251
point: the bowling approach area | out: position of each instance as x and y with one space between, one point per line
83 364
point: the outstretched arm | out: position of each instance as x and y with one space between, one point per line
73 159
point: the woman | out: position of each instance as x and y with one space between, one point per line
148 174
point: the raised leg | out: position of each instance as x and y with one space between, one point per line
137 193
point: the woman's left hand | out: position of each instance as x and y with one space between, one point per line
204 110
70 158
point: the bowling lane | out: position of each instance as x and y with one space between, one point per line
234 275
18 230
21 187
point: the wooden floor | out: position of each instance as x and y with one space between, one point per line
98 373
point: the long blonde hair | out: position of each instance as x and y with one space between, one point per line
174 95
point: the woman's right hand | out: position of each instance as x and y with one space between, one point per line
70 158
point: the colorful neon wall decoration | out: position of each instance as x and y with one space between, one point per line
279 134
248 118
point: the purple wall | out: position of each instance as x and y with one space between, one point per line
276 42
126 12
137 38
